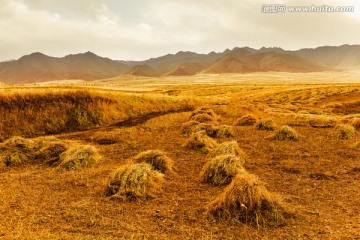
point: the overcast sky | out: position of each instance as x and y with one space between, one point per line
140 29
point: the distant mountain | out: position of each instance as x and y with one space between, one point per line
38 67
245 61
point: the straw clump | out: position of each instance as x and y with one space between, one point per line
344 132
12 158
50 153
203 110
222 169
133 182
188 127
157 159
201 141
247 200
225 131
228 148
247 120
210 129
286 133
78 156
265 124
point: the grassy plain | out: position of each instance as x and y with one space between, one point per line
318 176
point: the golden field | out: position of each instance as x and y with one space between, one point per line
315 174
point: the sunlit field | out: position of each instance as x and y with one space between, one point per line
251 156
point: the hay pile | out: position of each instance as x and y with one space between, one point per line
203 110
133 182
157 159
247 120
188 127
344 132
247 200
210 129
201 141
286 133
228 148
265 124
225 131
222 169
50 153
78 157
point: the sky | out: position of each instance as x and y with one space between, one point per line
141 29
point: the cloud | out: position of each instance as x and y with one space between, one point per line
139 29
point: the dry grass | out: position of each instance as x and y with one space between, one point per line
203 118
356 123
157 159
201 141
247 120
246 199
225 131
20 143
265 124
50 153
13 158
344 132
356 145
188 127
210 129
222 169
133 182
78 157
286 133
228 148
203 110
322 123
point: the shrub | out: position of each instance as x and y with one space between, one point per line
222 169
265 124
136 181
345 132
228 148
77 157
247 120
200 140
286 133
157 159
225 131
246 199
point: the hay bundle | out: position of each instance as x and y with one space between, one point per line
356 123
344 132
246 199
210 129
189 126
157 159
225 131
247 120
222 169
286 133
14 158
20 143
201 141
265 124
50 153
77 157
204 110
203 118
136 181
228 148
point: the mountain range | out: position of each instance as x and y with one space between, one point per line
38 67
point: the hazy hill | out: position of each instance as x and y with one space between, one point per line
187 69
142 70
38 67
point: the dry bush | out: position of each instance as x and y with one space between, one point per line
12 158
157 159
356 123
132 182
201 141
228 148
344 132
247 120
203 110
222 169
286 133
265 124
203 118
79 156
189 126
50 153
210 129
225 131
246 199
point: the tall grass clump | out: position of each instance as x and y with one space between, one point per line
201 141
133 182
344 132
78 157
265 124
228 148
286 133
247 200
222 169
247 120
157 159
